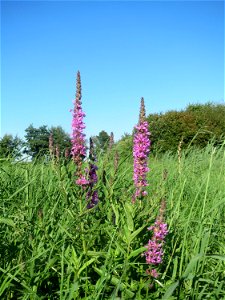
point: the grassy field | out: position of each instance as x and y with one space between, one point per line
53 247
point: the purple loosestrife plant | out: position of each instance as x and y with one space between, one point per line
67 153
57 152
78 150
51 145
154 253
111 140
141 149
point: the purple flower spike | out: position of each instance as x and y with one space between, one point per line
78 150
51 144
154 253
141 151
82 181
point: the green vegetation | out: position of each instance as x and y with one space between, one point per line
52 247
101 141
197 124
37 140
10 146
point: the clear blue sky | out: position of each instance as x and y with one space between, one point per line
169 52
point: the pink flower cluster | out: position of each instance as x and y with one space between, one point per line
78 137
154 253
141 150
78 150
82 181
89 180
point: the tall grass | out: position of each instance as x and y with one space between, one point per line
53 247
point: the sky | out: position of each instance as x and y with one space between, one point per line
169 52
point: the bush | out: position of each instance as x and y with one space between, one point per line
196 125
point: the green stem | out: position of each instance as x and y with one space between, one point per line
82 227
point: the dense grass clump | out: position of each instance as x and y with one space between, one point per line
53 247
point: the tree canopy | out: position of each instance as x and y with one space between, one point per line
10 146
101 141
37 140
197 124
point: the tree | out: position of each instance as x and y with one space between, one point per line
61 139
37 140
10 146
125 145
101 141
197 124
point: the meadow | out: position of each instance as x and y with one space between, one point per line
53 247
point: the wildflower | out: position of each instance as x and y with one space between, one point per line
153 273
93 199
51 146
78 150
116 161
57 152
82 181
154 253
111 140
67 153
141 151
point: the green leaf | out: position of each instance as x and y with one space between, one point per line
220 257
129 218
6 282
96 254
20 190
136 232
170 290
89 262
193 262
116 212
174 268
137 251
7 222
115 281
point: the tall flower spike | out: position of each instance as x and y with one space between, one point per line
67 153
111 140
78 150
141 149
78 88
142 115
51 144
154 253
57 152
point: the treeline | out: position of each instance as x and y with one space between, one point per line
194 126
36 143
40 141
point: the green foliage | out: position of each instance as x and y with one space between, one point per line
61 138
196 126
37 140
125 147
10 146
53 247
101 141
